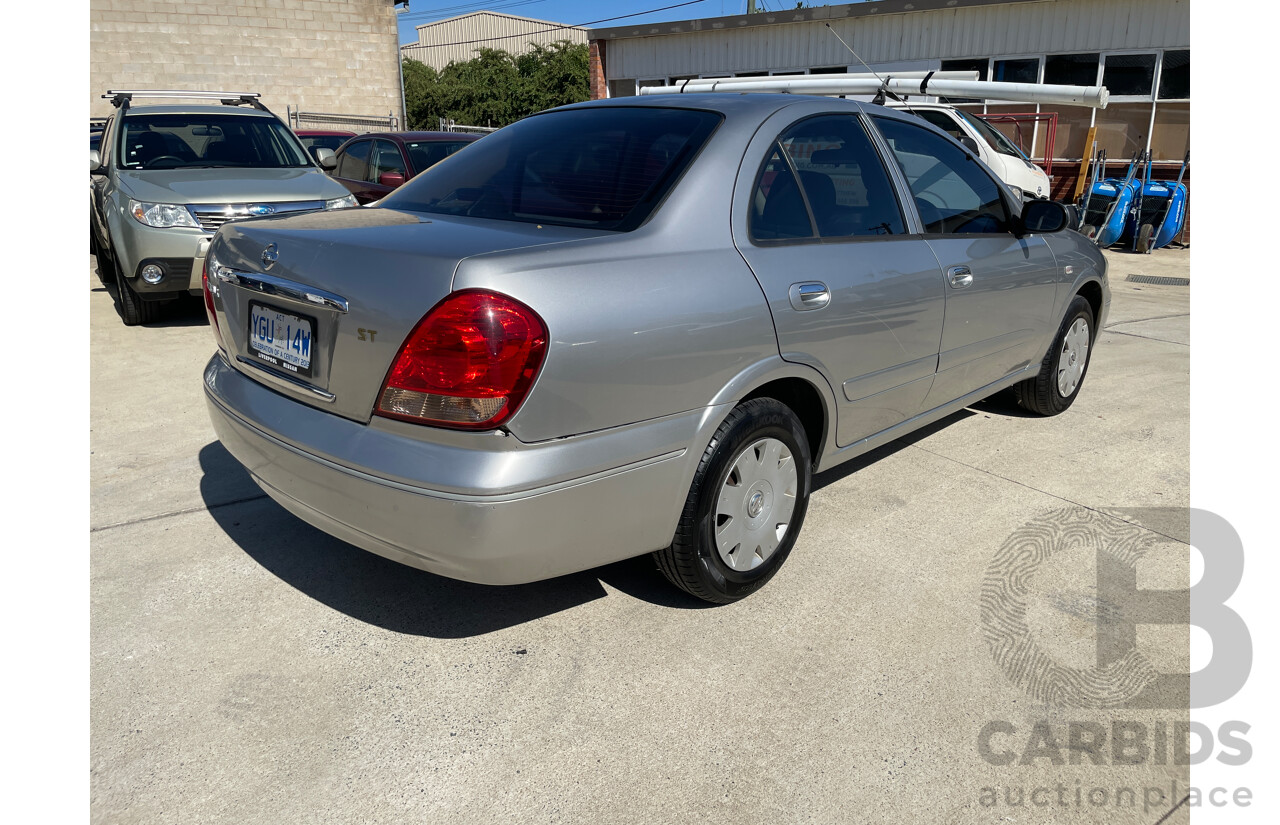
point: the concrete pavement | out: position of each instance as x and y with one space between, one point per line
248 668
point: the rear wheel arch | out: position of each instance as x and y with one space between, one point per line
805 400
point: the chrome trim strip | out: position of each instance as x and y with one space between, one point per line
286 381
271 285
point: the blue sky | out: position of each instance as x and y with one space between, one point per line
575 12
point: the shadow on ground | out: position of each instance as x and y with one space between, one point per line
393 596
400 598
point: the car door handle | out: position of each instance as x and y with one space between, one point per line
812 295
959 277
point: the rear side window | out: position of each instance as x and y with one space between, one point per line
354 162
952 194
846 190
603 168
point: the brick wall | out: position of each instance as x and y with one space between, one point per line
321 55
595 70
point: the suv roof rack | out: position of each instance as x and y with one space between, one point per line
121 98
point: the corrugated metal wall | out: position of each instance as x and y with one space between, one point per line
453 38
985 31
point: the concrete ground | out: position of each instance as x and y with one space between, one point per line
247 668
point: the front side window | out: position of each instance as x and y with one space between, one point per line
598 167
387 160
353 163
952 194
199 141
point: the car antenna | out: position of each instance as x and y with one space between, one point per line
880 95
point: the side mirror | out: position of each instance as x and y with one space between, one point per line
95 162
969 143
325 157
1041 216
392 179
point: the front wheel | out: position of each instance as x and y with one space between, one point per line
133 310
1063 369
745 507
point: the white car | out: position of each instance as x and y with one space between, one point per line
997 151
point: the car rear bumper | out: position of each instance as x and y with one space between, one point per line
472 506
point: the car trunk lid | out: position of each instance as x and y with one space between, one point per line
317 306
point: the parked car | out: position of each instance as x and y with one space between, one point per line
998 152
167 176
636 325
373 166
330 139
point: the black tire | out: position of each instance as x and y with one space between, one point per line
103 267
1042 394
1144 237
692 562
133 310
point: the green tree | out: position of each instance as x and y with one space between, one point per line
495 87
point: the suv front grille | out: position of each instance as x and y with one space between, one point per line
211 216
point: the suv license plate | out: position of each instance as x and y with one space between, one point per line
281 339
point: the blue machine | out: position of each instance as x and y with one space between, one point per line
1160 212
1108 203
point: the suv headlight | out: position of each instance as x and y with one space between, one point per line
162 215
341 203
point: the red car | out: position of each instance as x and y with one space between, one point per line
373 165
330 139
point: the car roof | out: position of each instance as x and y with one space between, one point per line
195 109
404 137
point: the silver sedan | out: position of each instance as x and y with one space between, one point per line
636 326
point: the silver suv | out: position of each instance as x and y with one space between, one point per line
167 177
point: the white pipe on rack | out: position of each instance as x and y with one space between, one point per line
834 78
1094 97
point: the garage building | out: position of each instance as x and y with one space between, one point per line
1139 49
457 39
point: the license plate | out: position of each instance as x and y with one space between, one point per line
281 339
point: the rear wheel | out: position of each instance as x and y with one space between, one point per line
745 507
1144 237
133 310
1063 369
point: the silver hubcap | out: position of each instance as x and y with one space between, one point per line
1073 358
756 504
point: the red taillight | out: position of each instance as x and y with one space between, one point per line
468 364
208 303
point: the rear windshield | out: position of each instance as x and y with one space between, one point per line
427 153
324 141
603 168
208 140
